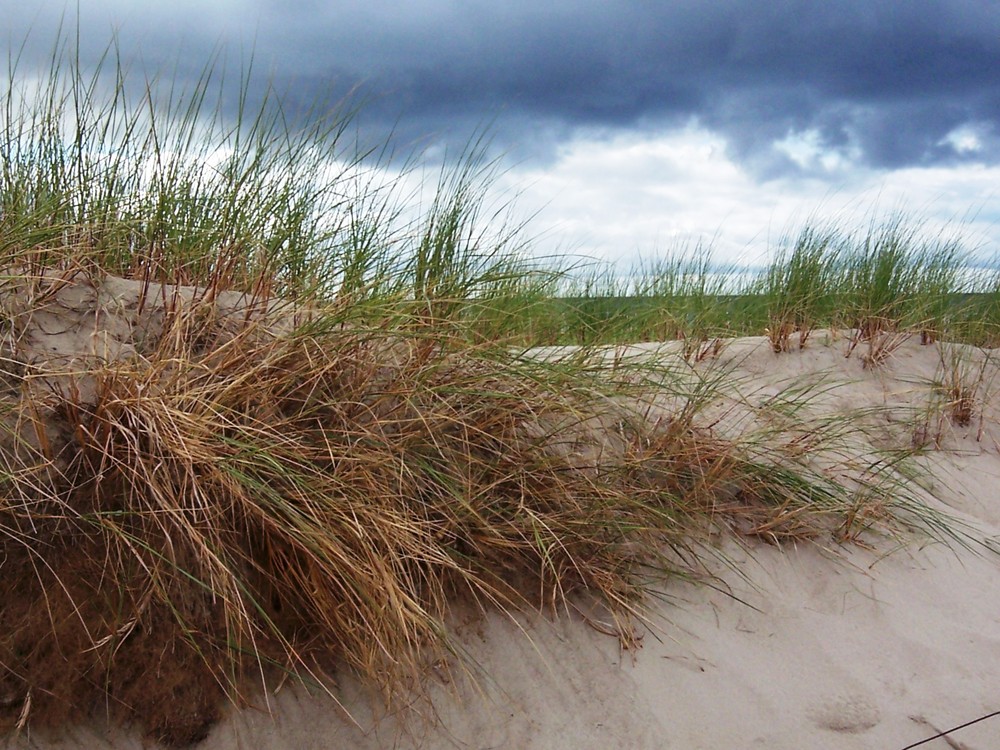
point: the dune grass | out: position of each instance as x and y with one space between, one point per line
259 419
798 288
890 278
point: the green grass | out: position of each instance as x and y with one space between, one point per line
339 433
888 279
798 288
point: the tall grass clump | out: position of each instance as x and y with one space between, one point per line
684 295
258 420
896 280
798 287
148 177
167 479
595 305
974 315
687 297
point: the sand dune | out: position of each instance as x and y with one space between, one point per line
807 645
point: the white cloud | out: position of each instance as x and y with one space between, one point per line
965 140
807 150
641 194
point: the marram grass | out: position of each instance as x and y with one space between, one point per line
254 422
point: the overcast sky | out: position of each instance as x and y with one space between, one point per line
632 125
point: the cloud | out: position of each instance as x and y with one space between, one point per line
636 195
883 81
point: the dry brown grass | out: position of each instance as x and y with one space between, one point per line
207 497
205 490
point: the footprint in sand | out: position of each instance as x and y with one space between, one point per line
845 713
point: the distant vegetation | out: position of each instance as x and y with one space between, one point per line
889 277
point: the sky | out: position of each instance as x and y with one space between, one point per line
627 128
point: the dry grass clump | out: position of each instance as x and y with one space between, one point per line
218 494
203 490
198 490
960 393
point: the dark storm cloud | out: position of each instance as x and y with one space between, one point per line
888 80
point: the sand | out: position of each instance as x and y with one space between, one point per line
811 645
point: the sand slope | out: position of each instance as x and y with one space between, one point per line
808 646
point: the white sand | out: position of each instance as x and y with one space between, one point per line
820 646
